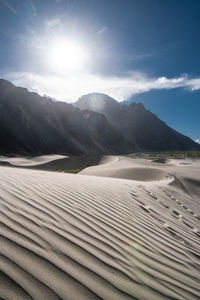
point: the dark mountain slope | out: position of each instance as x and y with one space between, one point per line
30 124
138 125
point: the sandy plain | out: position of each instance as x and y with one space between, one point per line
124 229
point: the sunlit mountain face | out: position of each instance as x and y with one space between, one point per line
127 50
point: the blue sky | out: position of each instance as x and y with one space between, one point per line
144 50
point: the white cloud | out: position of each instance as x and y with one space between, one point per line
198 141
70 87
194 84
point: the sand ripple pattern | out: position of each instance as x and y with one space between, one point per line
65 236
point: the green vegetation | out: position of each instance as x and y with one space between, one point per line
75 171
175 154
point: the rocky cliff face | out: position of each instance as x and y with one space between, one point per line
30 124
138 126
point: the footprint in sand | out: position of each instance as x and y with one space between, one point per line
140 202
176 214
190 211
134 194
183 205
178 202
196 231
186 223
172 232
169 195
145 208
164 204
152 195
196 216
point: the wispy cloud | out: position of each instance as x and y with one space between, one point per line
53 23
103 29
33 8
134 57
9 6
70 87
198 141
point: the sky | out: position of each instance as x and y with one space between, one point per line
145 51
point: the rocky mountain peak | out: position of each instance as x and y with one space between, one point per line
96 102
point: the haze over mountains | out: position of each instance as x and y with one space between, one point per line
138 125
30 124
95 124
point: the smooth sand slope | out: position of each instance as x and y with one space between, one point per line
127 168
53 162
30 162
91 236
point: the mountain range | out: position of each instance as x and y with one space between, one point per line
138 126
95 124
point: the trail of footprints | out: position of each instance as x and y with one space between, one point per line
173 212
184 232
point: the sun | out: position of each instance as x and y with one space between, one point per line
67 56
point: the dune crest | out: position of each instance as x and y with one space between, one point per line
52 162
31 162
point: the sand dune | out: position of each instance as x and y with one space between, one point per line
66 236
52 162
29 162
127 168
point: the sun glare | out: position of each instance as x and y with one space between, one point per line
67 56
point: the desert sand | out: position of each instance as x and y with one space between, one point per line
124 229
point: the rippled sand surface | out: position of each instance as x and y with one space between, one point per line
125 229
